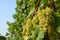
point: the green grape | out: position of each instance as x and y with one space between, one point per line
25 37
44 18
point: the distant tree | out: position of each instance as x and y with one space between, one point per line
2 38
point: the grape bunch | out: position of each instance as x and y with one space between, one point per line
47 23
45 17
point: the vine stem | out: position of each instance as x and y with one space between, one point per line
52 6
36 7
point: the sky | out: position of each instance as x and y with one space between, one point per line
7 9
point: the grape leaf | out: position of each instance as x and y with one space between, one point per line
57 21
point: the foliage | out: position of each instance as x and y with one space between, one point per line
27 26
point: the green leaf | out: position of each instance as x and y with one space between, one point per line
46 1
39 38
41 34
57 21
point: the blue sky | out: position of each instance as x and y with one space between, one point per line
7 9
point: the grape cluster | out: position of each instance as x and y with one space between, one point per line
45 17
26 27
34 21
26 30
47 23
